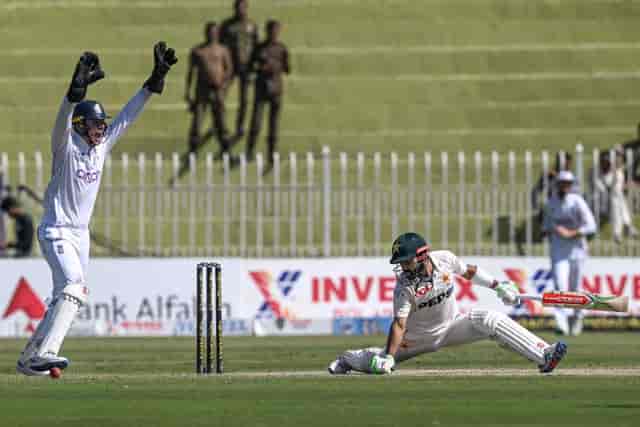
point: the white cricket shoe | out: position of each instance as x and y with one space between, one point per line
22 368
46 362
338 367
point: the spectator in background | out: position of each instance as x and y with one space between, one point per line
240 35
23 228
212 63
269 60
608 186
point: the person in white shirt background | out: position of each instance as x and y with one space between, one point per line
80 143
567 222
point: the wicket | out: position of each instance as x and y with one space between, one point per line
204 334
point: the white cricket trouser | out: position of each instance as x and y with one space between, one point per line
567 274
67 253
66 250
464 329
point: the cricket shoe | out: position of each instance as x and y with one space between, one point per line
338 367
23 368
552 356
46 362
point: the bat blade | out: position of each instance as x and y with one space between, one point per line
586 300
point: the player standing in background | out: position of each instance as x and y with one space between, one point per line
426 316
240 35
270 60
214 70
567 221
80 142
23 228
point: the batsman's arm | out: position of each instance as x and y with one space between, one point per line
396 333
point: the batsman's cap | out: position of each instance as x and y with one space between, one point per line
565 176
408 246
8 203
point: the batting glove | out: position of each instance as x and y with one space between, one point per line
508 292
382 364
87 71
163 59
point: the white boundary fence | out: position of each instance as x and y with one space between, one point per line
322 204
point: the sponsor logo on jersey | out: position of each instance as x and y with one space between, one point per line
437 299
87 176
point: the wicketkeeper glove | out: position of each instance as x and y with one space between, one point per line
508 292
87 71
163 59
382 364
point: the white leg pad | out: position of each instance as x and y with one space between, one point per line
38 335
359 360
63 310
509 333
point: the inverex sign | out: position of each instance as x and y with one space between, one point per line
156 296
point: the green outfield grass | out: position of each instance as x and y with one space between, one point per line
132 381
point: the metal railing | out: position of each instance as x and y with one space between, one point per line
322 204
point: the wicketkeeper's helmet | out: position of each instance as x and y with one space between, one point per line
408 246
87 110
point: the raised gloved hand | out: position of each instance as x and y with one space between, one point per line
382 364
87 71
508 292
163 59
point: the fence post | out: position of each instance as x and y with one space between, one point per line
210 194
159 217
528 210
444 194
37 157
411 185
343 203
428 188
360 206
293 182
376 203
326 171
243 205
259 211
461 208
108 190
124 206
495 207
394 195
311 194
513 202
141 202
579 165
545 191
478 202
276 204
226 214
22 172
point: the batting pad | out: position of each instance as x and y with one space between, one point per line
63 311
509 333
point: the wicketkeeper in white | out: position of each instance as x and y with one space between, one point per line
80 143
426 316
567 220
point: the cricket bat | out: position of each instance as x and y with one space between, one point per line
582 300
